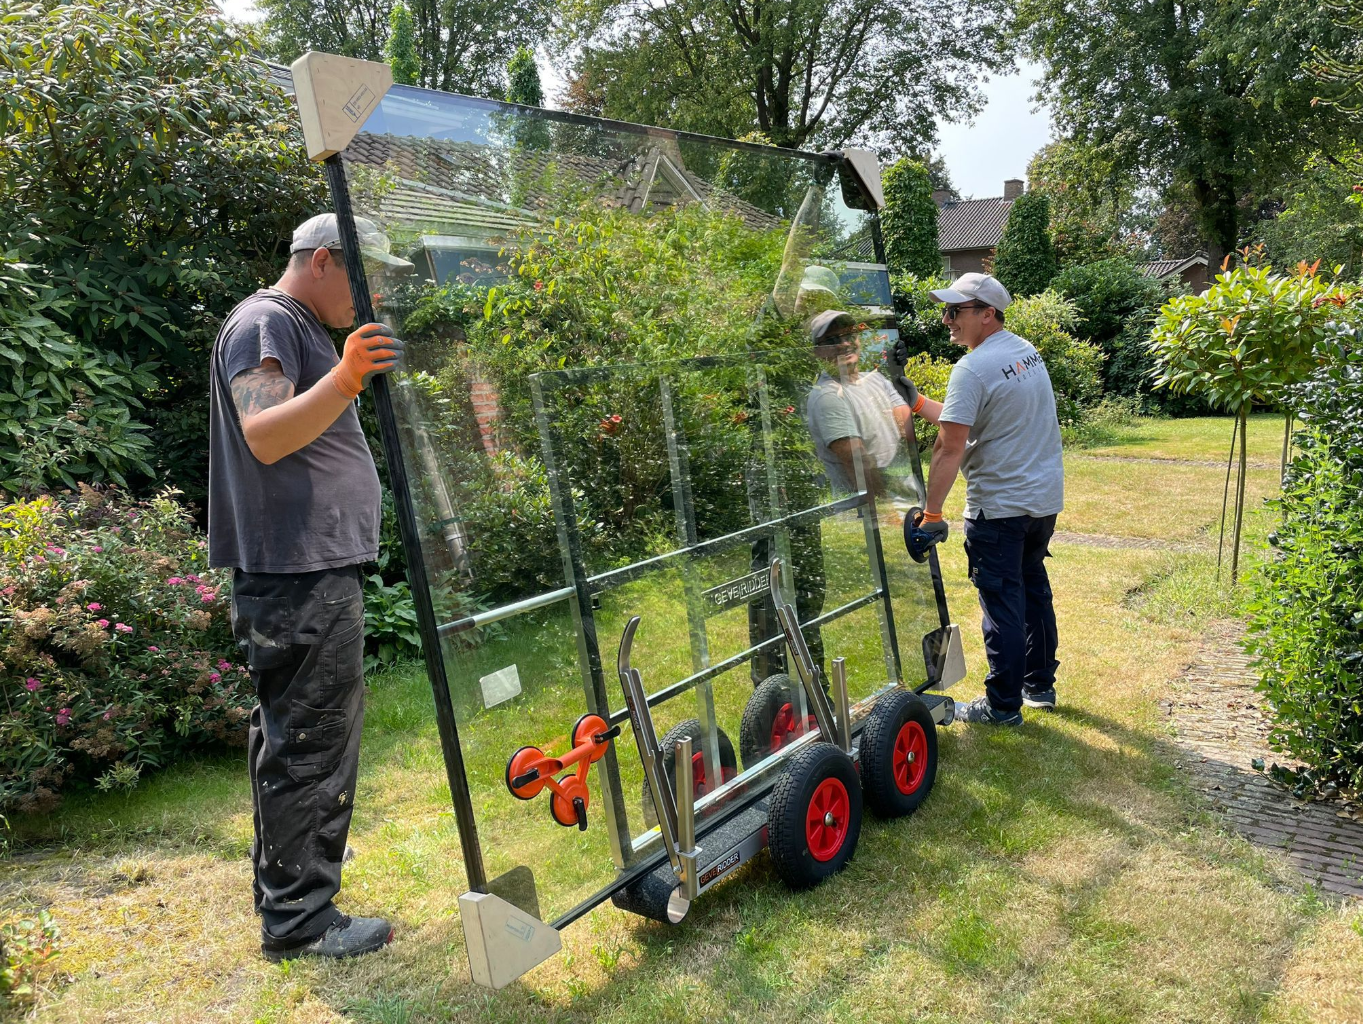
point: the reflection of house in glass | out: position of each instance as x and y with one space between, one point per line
460 203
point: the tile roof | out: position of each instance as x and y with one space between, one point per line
1164 268
971 224
523 180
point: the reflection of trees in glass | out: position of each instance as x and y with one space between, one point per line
608 287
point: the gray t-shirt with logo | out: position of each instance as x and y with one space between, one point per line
315 509
1012 463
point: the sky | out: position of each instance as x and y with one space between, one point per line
1002 138
979 156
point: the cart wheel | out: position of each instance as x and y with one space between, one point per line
770 719
815 816
898 754
728 764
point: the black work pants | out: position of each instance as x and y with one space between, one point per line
303 639
1006 558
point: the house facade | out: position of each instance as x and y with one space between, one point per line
969 230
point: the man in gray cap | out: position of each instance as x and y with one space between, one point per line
998 426
293 510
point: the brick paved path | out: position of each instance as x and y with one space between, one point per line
1220 728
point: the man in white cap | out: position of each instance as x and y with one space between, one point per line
998 426
293 509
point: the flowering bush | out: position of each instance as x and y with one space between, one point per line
116 649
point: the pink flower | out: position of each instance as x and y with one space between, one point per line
7 591
207 596
32 685
174 581
153 648
102 623
63 716
225 665
109 714
96 549
93 606
123 627
213 677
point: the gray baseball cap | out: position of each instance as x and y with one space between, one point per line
829 324
975 288
321 232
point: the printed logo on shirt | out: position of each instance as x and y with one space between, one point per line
1021 370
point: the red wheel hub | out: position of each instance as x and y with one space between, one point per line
699 780
786 726
826 820
910 757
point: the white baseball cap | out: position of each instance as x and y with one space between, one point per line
975 288
819 279
321 232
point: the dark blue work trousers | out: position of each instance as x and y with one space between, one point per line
1006 558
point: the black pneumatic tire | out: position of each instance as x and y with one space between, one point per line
728 763
895 784
759 716
795 853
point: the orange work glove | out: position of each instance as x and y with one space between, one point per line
369 350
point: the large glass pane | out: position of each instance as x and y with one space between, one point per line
606 412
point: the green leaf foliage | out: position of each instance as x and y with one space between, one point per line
152 174
402 55
1248 337
1306 629
524 75
805 73
908 222
67 411
1323 219
1211 99
1025 261
458 47
1117 304
1051 323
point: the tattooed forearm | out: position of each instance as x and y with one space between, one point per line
263 388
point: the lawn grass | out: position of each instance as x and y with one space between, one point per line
1202 438
1060 872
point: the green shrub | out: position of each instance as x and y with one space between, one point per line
920 316
116 650
1025 260
26 944
1106 294
65 409
1306 629
153 173
929 375
908 222
1049 322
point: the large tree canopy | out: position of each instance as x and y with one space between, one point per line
805 73
462 45
1210 95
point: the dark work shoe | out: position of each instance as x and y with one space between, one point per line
1044 699
349 936
980 710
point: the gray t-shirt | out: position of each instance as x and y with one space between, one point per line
1012 463
865 409
315 509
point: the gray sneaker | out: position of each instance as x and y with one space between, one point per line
1044 699
349 936
980 710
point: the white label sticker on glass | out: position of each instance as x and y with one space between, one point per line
500 686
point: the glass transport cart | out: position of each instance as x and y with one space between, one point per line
659 636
